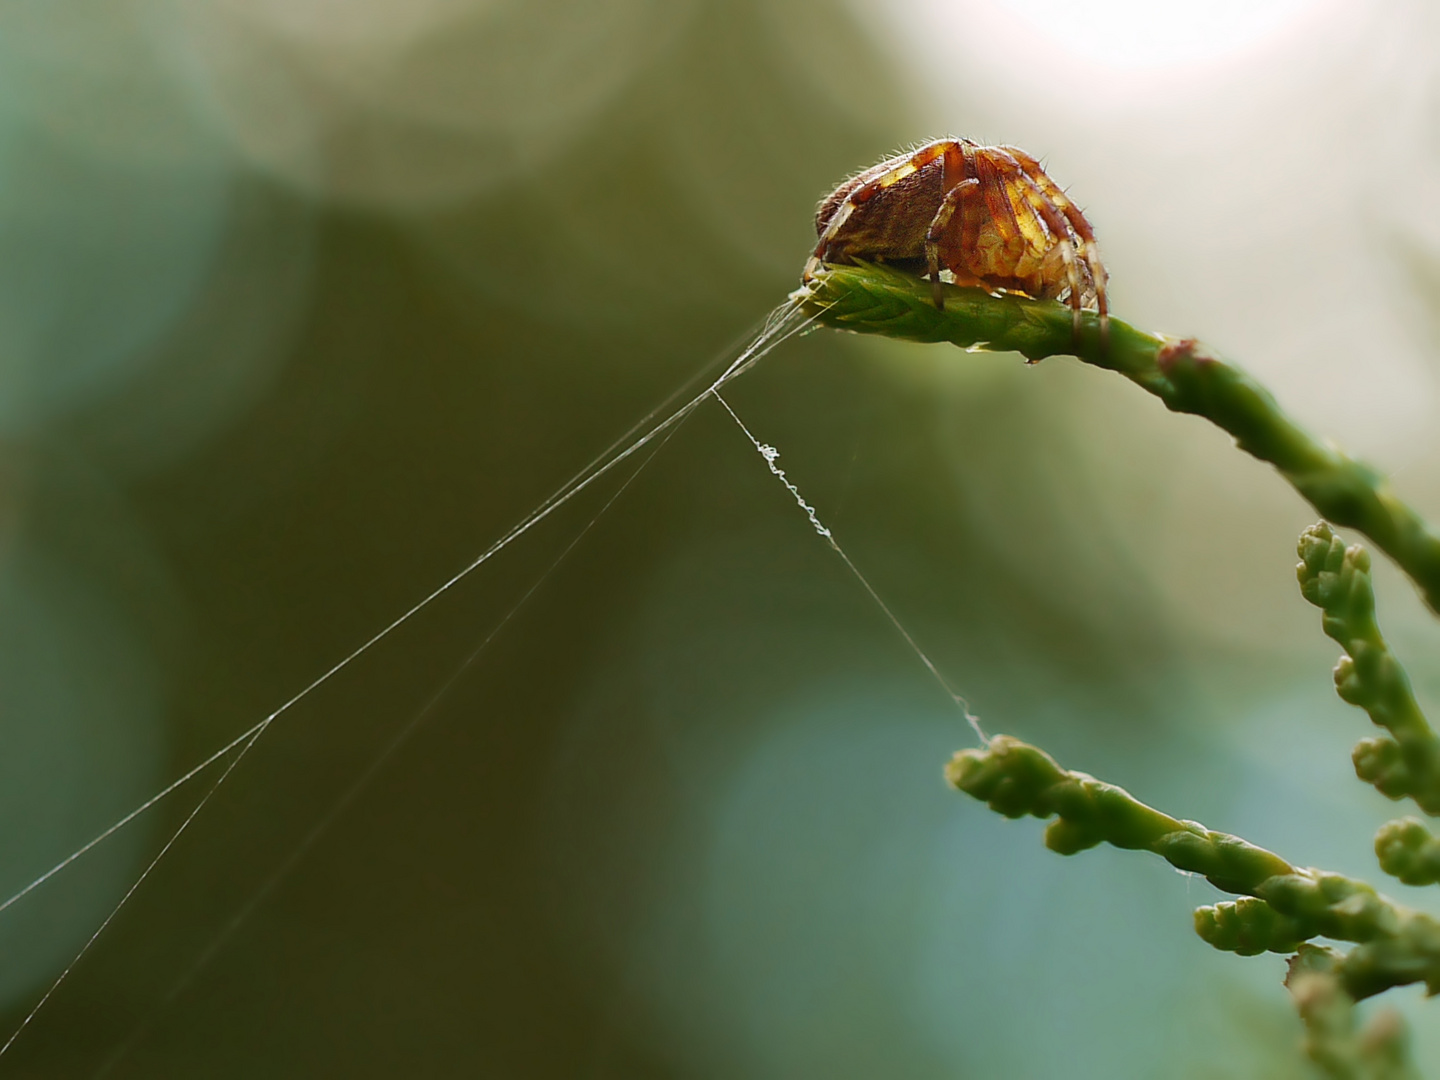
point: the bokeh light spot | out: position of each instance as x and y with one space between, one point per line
1137 34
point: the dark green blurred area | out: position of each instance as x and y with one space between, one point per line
684 816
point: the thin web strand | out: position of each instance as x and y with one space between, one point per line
770 454
782 323
357 787
133 814
778 327
175 836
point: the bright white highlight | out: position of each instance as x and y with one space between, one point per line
1146 34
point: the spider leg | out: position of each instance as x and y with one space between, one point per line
956 169
1004 244
997 201
1082 229
942 218
1062 232
863 193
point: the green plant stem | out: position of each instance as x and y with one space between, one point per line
1290 904
1409 851
1181 373
1336 579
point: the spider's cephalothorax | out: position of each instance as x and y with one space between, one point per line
988 214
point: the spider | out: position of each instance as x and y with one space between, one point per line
989 214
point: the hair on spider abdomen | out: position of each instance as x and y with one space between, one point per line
889 229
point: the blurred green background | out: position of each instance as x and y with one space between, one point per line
304 303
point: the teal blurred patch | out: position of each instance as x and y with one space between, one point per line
80 724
